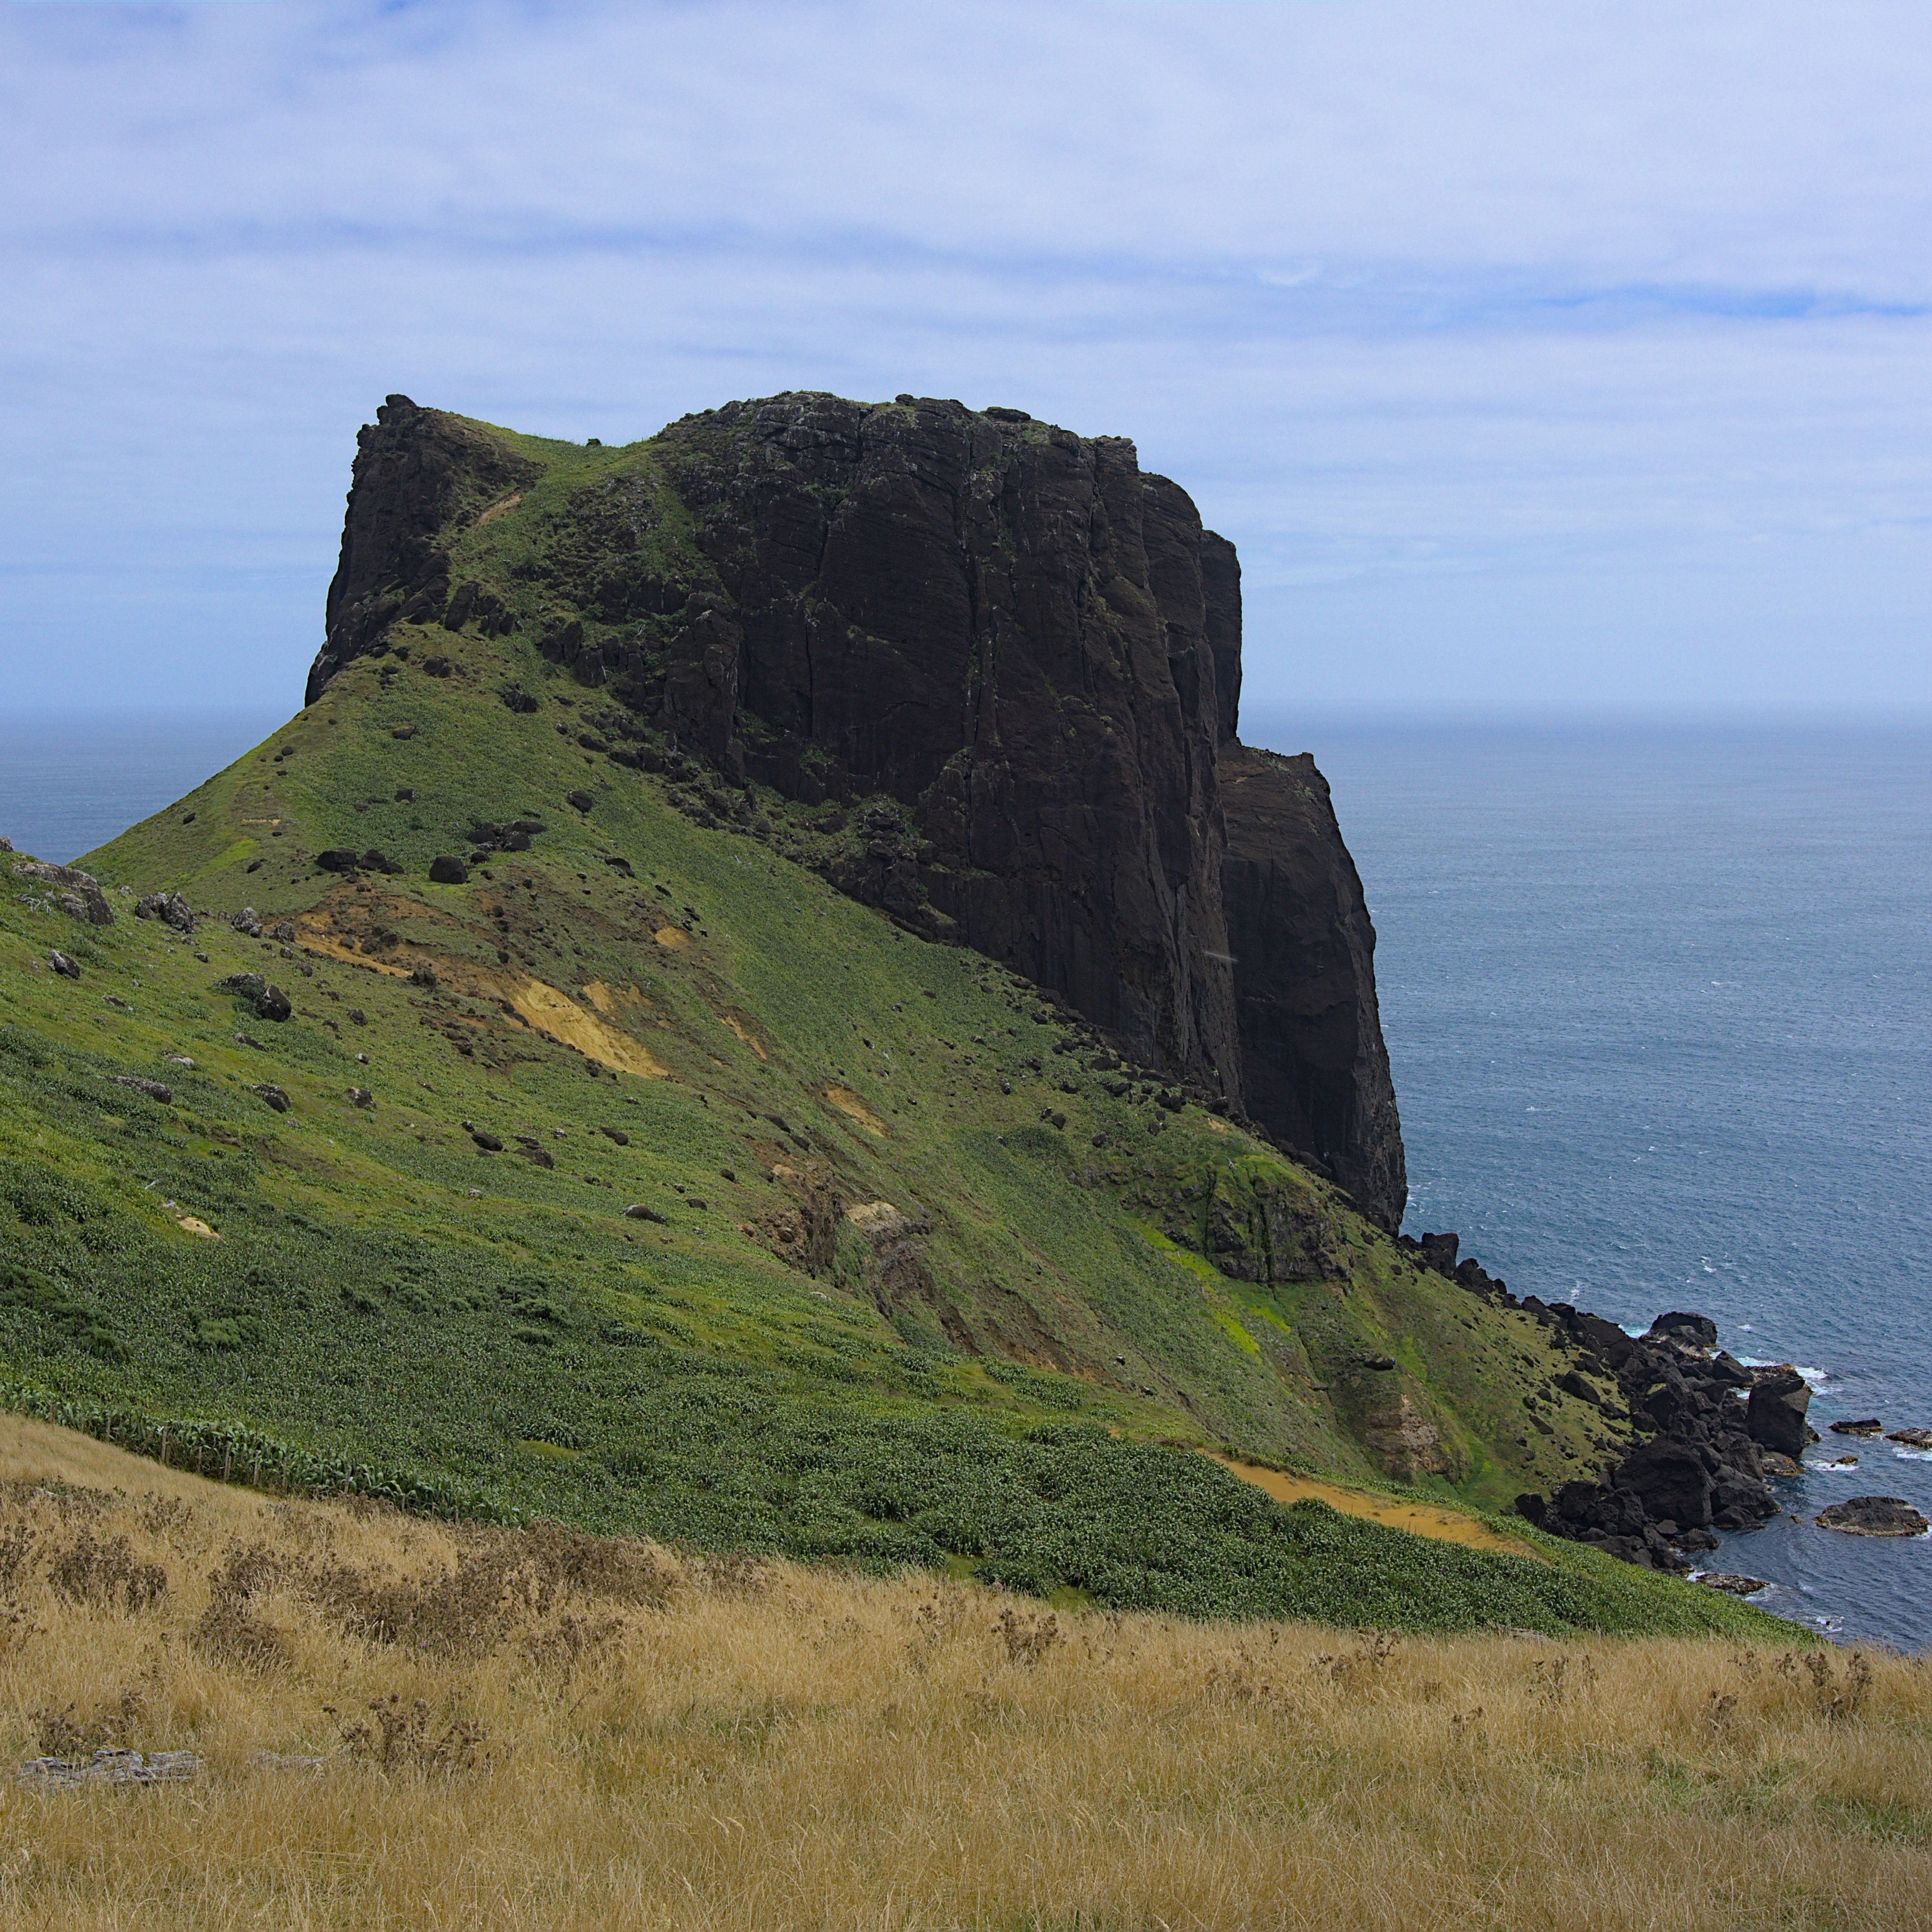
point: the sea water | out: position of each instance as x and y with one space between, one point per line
1659 1002
1658 999
72 780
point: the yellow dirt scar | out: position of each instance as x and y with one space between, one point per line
558 1013
501 507
849 1104
607 999
745 1034
544 1007
190 1224
673 936
1444 1526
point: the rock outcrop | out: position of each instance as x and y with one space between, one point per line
1697 1466
1015 656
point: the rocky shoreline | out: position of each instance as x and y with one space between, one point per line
1706 1461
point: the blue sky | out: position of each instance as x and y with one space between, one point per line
1534 355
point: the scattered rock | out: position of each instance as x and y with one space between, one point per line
62 965
489 1143
109 1766
361 1097
615 1134
376 861
1873 1516
581 800
272 1096
1870 1426
6 845
1737 1586
337 859
248 920
153 1089
637 1211
271 1003
448 870
1912 1439
405 731
170 908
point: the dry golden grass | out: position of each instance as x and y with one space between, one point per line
572 1735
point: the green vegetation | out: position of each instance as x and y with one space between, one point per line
927 1275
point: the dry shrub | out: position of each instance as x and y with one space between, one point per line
734 1573
1027 1639
101 1573
230 1630
564 1646
1352 1669
72 1732
405 1737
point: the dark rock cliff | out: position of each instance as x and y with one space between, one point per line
1023 653
1312 1053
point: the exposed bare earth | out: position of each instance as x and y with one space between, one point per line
1444 1526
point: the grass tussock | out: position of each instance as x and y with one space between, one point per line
409 1724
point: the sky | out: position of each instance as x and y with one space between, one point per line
1571 357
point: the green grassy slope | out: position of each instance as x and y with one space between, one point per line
925 1285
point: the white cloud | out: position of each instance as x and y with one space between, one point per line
1499 336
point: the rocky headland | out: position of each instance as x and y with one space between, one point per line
1010 653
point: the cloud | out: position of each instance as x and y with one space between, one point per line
1457 320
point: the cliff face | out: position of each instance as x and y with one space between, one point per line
1316 1069
1027 646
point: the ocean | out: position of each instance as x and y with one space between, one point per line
1659 1000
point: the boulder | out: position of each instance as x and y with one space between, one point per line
153 1089
1912 1439
1671 1481
337 859
170 908
248 921
1873 1516
1869 1425
62 965
1779 1398
638 1211
1697 1332
1737 1586
447 870
272 1096
78 894
270 1003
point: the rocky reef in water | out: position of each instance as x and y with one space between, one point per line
1015 653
